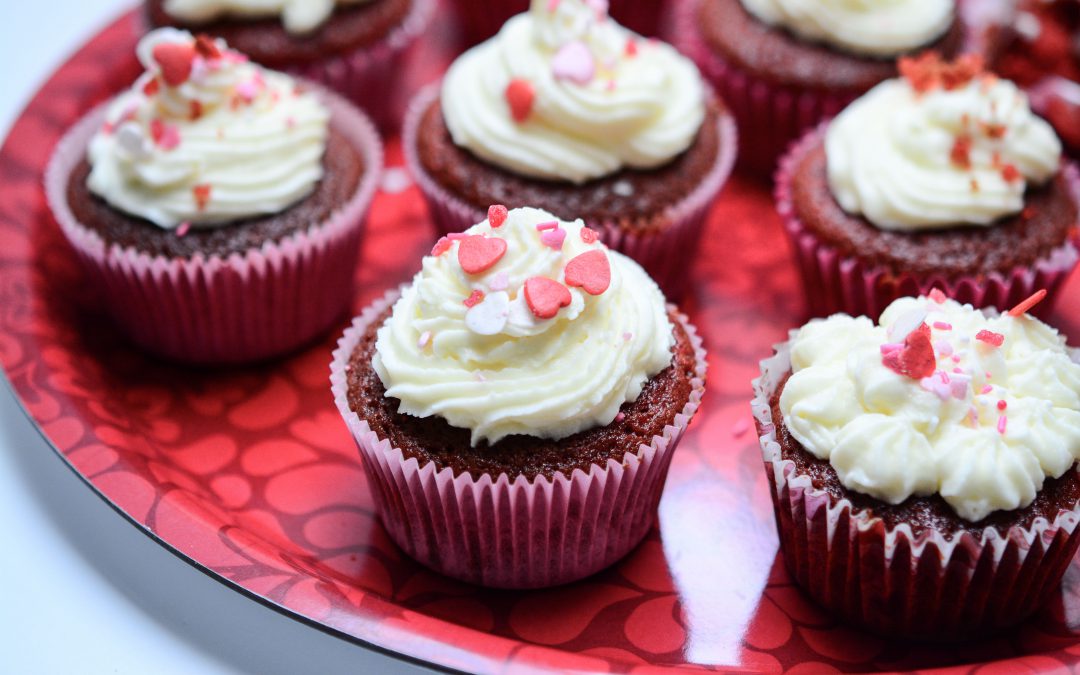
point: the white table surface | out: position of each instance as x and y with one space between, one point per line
86 592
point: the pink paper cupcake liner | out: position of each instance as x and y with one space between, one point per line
372 76
664 253
833 282
891 581
512 533
239 308
481 19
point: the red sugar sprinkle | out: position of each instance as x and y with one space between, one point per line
497 214
196 110
206 47
995 130
1001 405
175 60
916 359
202 195
631 48
929 71
546 297
520 95
441 246
167 136
1025 306
151 87
1010 173
991 338
477 253
960 154
588 236
937 296
475 298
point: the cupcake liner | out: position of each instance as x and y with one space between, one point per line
890 580
512 533
481 19
833 282
371 76
663 253
239 308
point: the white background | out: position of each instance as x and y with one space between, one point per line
83 590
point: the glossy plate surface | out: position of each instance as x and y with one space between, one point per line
251 476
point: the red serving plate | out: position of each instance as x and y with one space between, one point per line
251 476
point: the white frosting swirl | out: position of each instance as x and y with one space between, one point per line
868 27
603 97
548 378
298 16
232 140
983 431
910 160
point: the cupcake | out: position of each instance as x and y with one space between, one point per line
480 19
356 47
219 204
923 469
567 111
940 178
785 65
517 405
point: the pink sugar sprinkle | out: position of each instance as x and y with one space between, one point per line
937 296
991 338
620 417
1001 405
456 236
425 338
499 282
890 347
740 428
989 375
957 370
945 379
941 325
552 5
554 238
1003 421
547 225
183 229
628 336
987 388
956 358
973 415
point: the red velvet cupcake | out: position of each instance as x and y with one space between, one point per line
567 111
356 47
924 470
220 205
940 179
480 19
493 455
785 65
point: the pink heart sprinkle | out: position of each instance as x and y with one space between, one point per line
554 238
574 62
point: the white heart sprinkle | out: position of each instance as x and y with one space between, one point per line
489 317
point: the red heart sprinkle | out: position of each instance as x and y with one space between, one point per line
441 246
175 60
151 87
589 236
477 253
474 299
520 95
497 214
590 271
546 296
916 359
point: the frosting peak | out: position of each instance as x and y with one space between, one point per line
565 93
870 27
937 398
947 144
205 137
523 324
298 16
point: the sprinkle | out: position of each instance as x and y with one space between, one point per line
479 376
151 88
989 375
489 317
1010 173
928 71
620 417
206 48
959 387
991 338
936 386
937 296
623 188
196 110
611 85
955 358
740 428
166 136
499 282
248 90
973 416
960 154
474 299
175 60
552 5
520 96
943 347
441 246
497 214
631 49
574 63
941 325
974 183
957 371
1003 422
425 338
891 347
590 271
1026 305
588 236
547 225
987 388
627 337
290 122
456 236
916 359
477 253
183 228
554 238
202 195
546 297
1001 405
